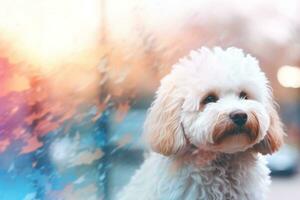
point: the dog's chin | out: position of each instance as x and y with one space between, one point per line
233 143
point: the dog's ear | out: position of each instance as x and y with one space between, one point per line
274 137
162 126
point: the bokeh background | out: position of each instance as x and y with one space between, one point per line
77 76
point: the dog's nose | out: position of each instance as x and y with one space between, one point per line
238 117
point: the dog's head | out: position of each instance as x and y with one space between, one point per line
216 100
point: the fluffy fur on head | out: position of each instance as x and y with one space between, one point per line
211 116
233 82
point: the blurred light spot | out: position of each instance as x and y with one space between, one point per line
67 152
62 149
289 76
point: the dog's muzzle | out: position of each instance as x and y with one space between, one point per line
237 123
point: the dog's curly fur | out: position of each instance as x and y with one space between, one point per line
199 152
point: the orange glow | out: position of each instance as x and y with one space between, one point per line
46 34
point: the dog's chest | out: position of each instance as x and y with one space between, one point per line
243 177
215 184
222 180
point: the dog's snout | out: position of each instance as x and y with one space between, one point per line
238 117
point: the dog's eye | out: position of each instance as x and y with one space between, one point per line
210 99
243 95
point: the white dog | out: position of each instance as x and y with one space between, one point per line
212 116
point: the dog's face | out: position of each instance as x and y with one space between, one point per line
216 100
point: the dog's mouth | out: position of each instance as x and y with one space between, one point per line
236 131
226 129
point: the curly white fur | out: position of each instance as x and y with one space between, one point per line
199 153
229 177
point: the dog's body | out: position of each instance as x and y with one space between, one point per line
242 176
212 117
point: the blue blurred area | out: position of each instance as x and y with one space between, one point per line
37 175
